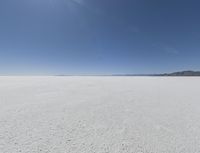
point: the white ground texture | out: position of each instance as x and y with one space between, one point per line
99 114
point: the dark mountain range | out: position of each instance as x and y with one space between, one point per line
182 73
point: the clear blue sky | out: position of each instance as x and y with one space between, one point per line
99 36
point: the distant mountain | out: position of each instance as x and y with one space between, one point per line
182 73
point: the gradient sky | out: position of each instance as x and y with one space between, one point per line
99 36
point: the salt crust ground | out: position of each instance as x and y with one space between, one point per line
99 115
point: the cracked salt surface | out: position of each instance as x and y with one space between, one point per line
99 115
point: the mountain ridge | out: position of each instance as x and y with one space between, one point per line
183 73
178 73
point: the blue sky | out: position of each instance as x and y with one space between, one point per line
99 36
